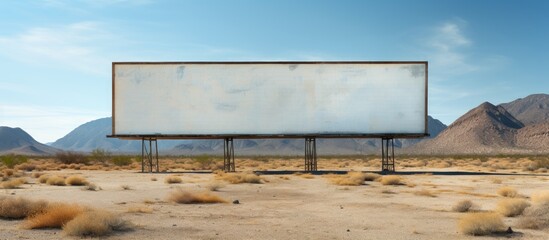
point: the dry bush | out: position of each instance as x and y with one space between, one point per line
237 178
8 172
307 176
37 174
371 177
126 187
19 208
43 178
95 224
140 209
76 180
54 216
535 217
481 223
424 192
13 183
511 207
540 197
186 197
508 192
72 157
349 179
391 180
173 179
215 186
91 187
463 206
154 179
56 180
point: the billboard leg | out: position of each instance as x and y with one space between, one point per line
149 155
228 155
387 155
310 155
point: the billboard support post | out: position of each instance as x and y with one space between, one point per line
387 155
228 155
149 155
310 154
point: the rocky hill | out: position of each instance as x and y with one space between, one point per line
532 109
17 141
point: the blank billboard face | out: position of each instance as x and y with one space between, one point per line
269 98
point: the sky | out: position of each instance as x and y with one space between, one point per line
56 55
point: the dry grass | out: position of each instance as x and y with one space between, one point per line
425 192
13 183
511 207
391 180
91 187
535 217
76 180
19 208
140 209
481 223
215 186
349 179
96 224
56 180
463 206
237 178
43 178
54 216
173 180
507 192
540 197
187 197
307 176
154 179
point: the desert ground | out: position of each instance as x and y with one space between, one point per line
427 198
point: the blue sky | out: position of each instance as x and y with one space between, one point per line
55 55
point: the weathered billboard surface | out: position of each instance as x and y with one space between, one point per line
270 99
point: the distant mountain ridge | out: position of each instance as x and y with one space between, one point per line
17 141
533 109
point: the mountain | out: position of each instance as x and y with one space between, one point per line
92 135
435 127
532 109
534 137
484 129
17 141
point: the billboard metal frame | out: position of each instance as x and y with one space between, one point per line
387 143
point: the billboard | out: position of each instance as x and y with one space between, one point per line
269 99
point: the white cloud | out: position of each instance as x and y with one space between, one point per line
46 123
75 45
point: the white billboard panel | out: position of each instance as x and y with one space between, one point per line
345 99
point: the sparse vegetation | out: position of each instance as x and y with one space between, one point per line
55 180
122 160
462 206
54 216
126 187
76 180
371 177
100 155
215 186
95 224
140 209
535 217
424 192
186 197
11 160
391 180
511 207
481 223
13 183
507 191
173 179
72 157
349 179
540 197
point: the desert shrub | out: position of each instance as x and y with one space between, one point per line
95 224
186 197
19 208
8 172
12 160
462 206
371 176
511 207
173 179
56 180
237 178
540 197
43 178
76 180
424 192
535 217
13 183
204 161
215 186
122 160
349 179
508 192
26 167
126 187
307 176
100 155
481 223
391 180
72 157
54 216
36 174
91 187
153 179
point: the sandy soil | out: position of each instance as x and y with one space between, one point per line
284 206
